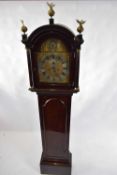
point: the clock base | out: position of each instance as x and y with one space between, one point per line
56 167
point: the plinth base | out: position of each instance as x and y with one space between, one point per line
55 167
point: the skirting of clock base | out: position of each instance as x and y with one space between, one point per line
55 167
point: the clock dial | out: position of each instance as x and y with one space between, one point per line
53 62
54 69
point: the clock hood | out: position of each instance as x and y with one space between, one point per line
49 30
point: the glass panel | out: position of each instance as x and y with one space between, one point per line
53 62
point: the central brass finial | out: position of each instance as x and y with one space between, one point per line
51 12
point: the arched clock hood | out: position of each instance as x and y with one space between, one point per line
55 30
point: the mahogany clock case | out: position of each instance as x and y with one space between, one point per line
54 97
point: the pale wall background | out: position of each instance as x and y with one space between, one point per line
93 123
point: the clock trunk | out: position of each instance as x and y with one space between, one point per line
55 127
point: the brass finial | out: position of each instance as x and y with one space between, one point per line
23 27
80 28
51 12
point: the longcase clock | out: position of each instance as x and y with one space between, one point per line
53 63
